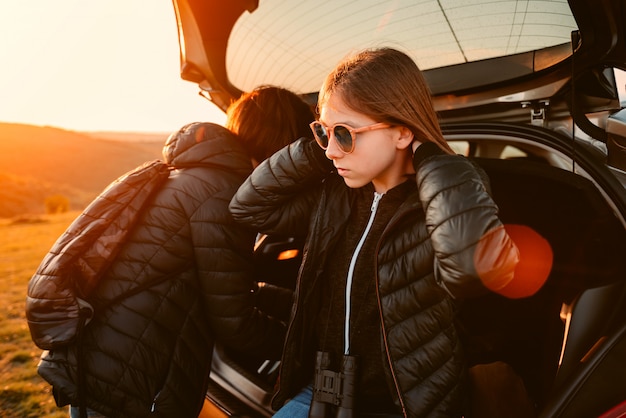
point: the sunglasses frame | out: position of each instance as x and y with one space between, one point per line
353 132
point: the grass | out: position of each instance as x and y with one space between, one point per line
23 244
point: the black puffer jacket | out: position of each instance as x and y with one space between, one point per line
432 239
150 354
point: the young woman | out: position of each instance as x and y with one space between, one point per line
397 228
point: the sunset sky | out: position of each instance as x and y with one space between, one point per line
90 65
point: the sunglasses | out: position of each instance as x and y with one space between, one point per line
345 136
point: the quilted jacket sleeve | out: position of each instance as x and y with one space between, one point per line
472 249
279 195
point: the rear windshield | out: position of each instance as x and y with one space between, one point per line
294 44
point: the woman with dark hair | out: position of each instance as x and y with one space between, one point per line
397 227
268 118
148 353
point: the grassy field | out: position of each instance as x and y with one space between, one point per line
23 243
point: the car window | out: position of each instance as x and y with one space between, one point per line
495 151
295 44
460 147
620 80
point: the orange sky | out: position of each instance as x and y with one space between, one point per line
95 65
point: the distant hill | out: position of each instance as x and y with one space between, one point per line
38 162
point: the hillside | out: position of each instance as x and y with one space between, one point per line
38 162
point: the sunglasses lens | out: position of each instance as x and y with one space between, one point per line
320 134
343 137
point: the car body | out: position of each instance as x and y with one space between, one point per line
531 90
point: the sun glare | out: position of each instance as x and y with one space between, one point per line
535 262
110 65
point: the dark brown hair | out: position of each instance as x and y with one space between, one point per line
386 85
268 118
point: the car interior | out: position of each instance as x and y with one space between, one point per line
545 336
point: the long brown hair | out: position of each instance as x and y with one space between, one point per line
386 85
268 118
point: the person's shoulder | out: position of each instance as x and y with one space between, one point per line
197 136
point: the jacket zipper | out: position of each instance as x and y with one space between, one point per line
391 369
153 407
355 256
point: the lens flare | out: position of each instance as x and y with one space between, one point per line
535 263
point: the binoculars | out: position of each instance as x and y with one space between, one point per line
333 392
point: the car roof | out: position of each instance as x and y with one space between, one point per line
497 51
